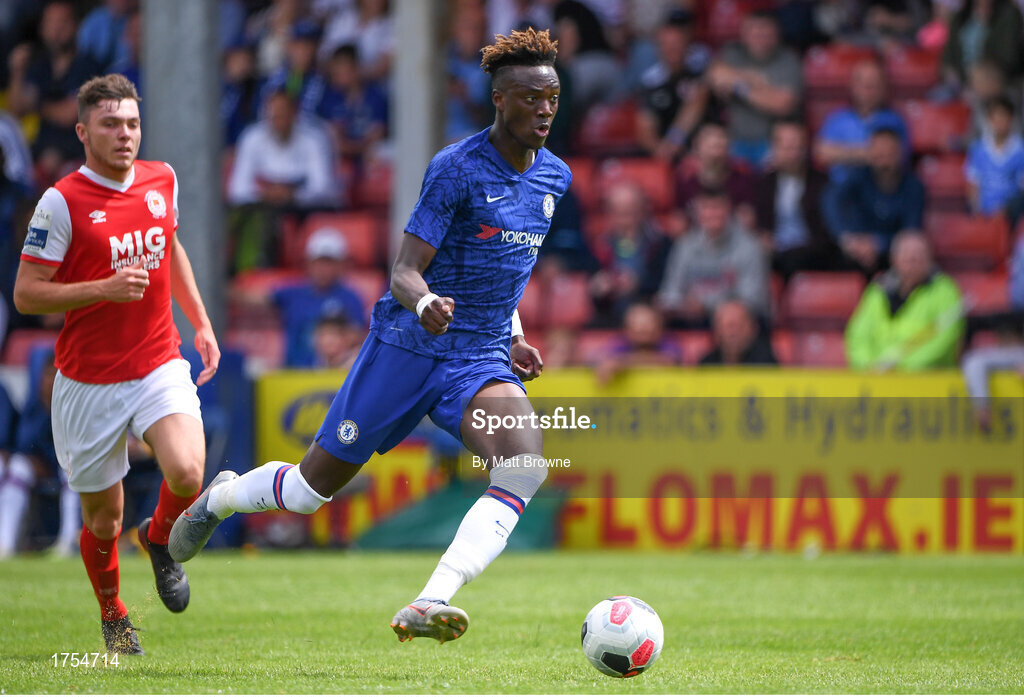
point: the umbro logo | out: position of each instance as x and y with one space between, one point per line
98 217
492 199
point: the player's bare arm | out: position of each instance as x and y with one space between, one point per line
409 288
186 293
36 293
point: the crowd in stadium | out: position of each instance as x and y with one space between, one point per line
817 183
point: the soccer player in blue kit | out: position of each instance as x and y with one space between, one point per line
444 341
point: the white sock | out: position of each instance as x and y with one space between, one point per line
15 489
275 486
70 518
484 530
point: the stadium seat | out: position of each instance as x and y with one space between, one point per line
369 285
372 188
943 179
364 232
263 348
821 300
530 310
257 282
584 170
984 293
652 175
594 344
609 130
724 18
962 242
819 349
818 109
694 344
912 71
936 127
827 69
567 301
984 339
22 342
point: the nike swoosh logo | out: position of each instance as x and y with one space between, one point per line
491 199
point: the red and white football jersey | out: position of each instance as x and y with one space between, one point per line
87 226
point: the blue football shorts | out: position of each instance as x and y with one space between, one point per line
390 389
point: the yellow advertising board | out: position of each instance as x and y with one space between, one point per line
780 459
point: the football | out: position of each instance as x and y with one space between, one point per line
622 636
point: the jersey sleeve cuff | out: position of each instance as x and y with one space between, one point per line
39 260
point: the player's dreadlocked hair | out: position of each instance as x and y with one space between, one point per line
529 47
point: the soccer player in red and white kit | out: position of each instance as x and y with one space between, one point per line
102 248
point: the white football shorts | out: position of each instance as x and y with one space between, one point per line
91 422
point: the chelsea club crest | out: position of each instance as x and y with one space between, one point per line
548 206
348 432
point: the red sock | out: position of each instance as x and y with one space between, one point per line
100 557
168 508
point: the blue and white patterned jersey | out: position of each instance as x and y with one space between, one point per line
487 222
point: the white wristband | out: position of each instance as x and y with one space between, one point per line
424 301
517 324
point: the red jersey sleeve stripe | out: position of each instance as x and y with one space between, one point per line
37 260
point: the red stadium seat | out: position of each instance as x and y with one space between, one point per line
652 175
725 16
912 71
827 69
567 301
21 342
817 110
936 127
364 233
594 344
369 284
943 179
820 300
694 345
819 349
264 347
609 130
372 187
984 293
530 310
963 243
985 339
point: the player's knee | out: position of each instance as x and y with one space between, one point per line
186 479
104 526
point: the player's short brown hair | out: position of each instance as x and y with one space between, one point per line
529 47
103 88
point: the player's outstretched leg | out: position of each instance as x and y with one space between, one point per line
171 581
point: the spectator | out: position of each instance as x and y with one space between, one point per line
298 76
283 161
995 164
760 80
788 205
632 253
985 82
984 30
336 341
738 340
718 261
911 318
322 293
240 94
46 81
271 29
675 96
33 459
130 63
565 248
643 344
368 25
1017 276
101 37
979 364
358 112
712 168
469 88
584 52
875 202
842 143
16 188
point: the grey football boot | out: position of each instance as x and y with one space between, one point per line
196 523
430 618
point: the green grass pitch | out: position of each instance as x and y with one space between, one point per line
318 623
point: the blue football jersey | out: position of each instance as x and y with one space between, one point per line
487 222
